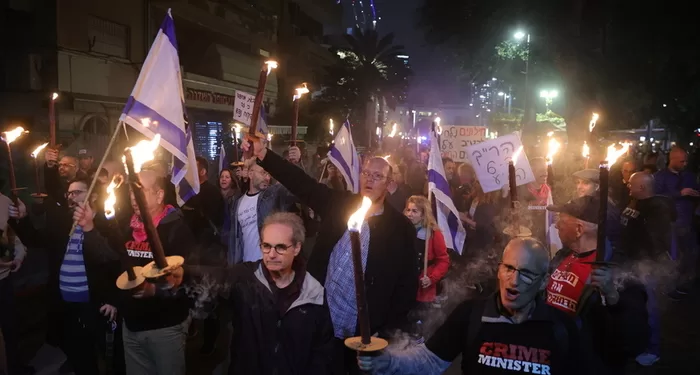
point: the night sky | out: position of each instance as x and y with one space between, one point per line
401 18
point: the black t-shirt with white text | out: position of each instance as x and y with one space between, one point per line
501 347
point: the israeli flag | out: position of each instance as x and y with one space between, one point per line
446 213
156 106
344 155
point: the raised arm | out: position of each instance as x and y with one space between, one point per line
309 191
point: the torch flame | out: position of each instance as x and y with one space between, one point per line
146 122
300 91
12 135
356 219
614 153
54 96
393 131
269 137
330 126
550 134
111 196
594 120
143 152
37 150
586 150
271 64
516 154
386 157
552 149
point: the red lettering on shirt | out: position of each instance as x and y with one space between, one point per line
567 282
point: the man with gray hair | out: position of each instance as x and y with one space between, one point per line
512 330
280 322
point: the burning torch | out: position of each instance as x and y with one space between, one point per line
268 66
134 158
365 343
612 155
515 229
300 91
131 277
552 149
35 155
9 137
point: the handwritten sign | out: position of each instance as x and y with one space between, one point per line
454 140
490 160
243 107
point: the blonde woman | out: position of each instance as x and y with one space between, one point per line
418 211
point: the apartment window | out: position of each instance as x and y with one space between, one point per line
107 37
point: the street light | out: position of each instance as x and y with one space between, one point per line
548 96
506 100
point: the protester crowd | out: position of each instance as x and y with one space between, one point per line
272 243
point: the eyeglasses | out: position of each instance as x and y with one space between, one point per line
74 193
373 176
65 165
280 249
527 277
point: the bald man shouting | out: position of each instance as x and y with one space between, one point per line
389 257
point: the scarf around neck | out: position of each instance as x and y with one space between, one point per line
540 194
138 230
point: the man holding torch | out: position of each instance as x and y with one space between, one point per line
156 315
614 321
386 239
84 282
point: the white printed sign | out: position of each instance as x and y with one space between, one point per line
490 160
455 139
243 107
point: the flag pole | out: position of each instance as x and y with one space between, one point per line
428 235
99 168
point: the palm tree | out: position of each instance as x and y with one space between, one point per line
368 72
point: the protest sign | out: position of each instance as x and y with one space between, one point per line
243 107
490 161
455 139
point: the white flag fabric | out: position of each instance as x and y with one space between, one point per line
222 158
344 155
156 106
446 213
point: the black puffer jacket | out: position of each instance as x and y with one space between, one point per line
300 342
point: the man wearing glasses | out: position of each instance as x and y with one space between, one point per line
82 281
513 331
280 323
387 248
250 210
615 322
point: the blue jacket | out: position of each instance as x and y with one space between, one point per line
670 184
